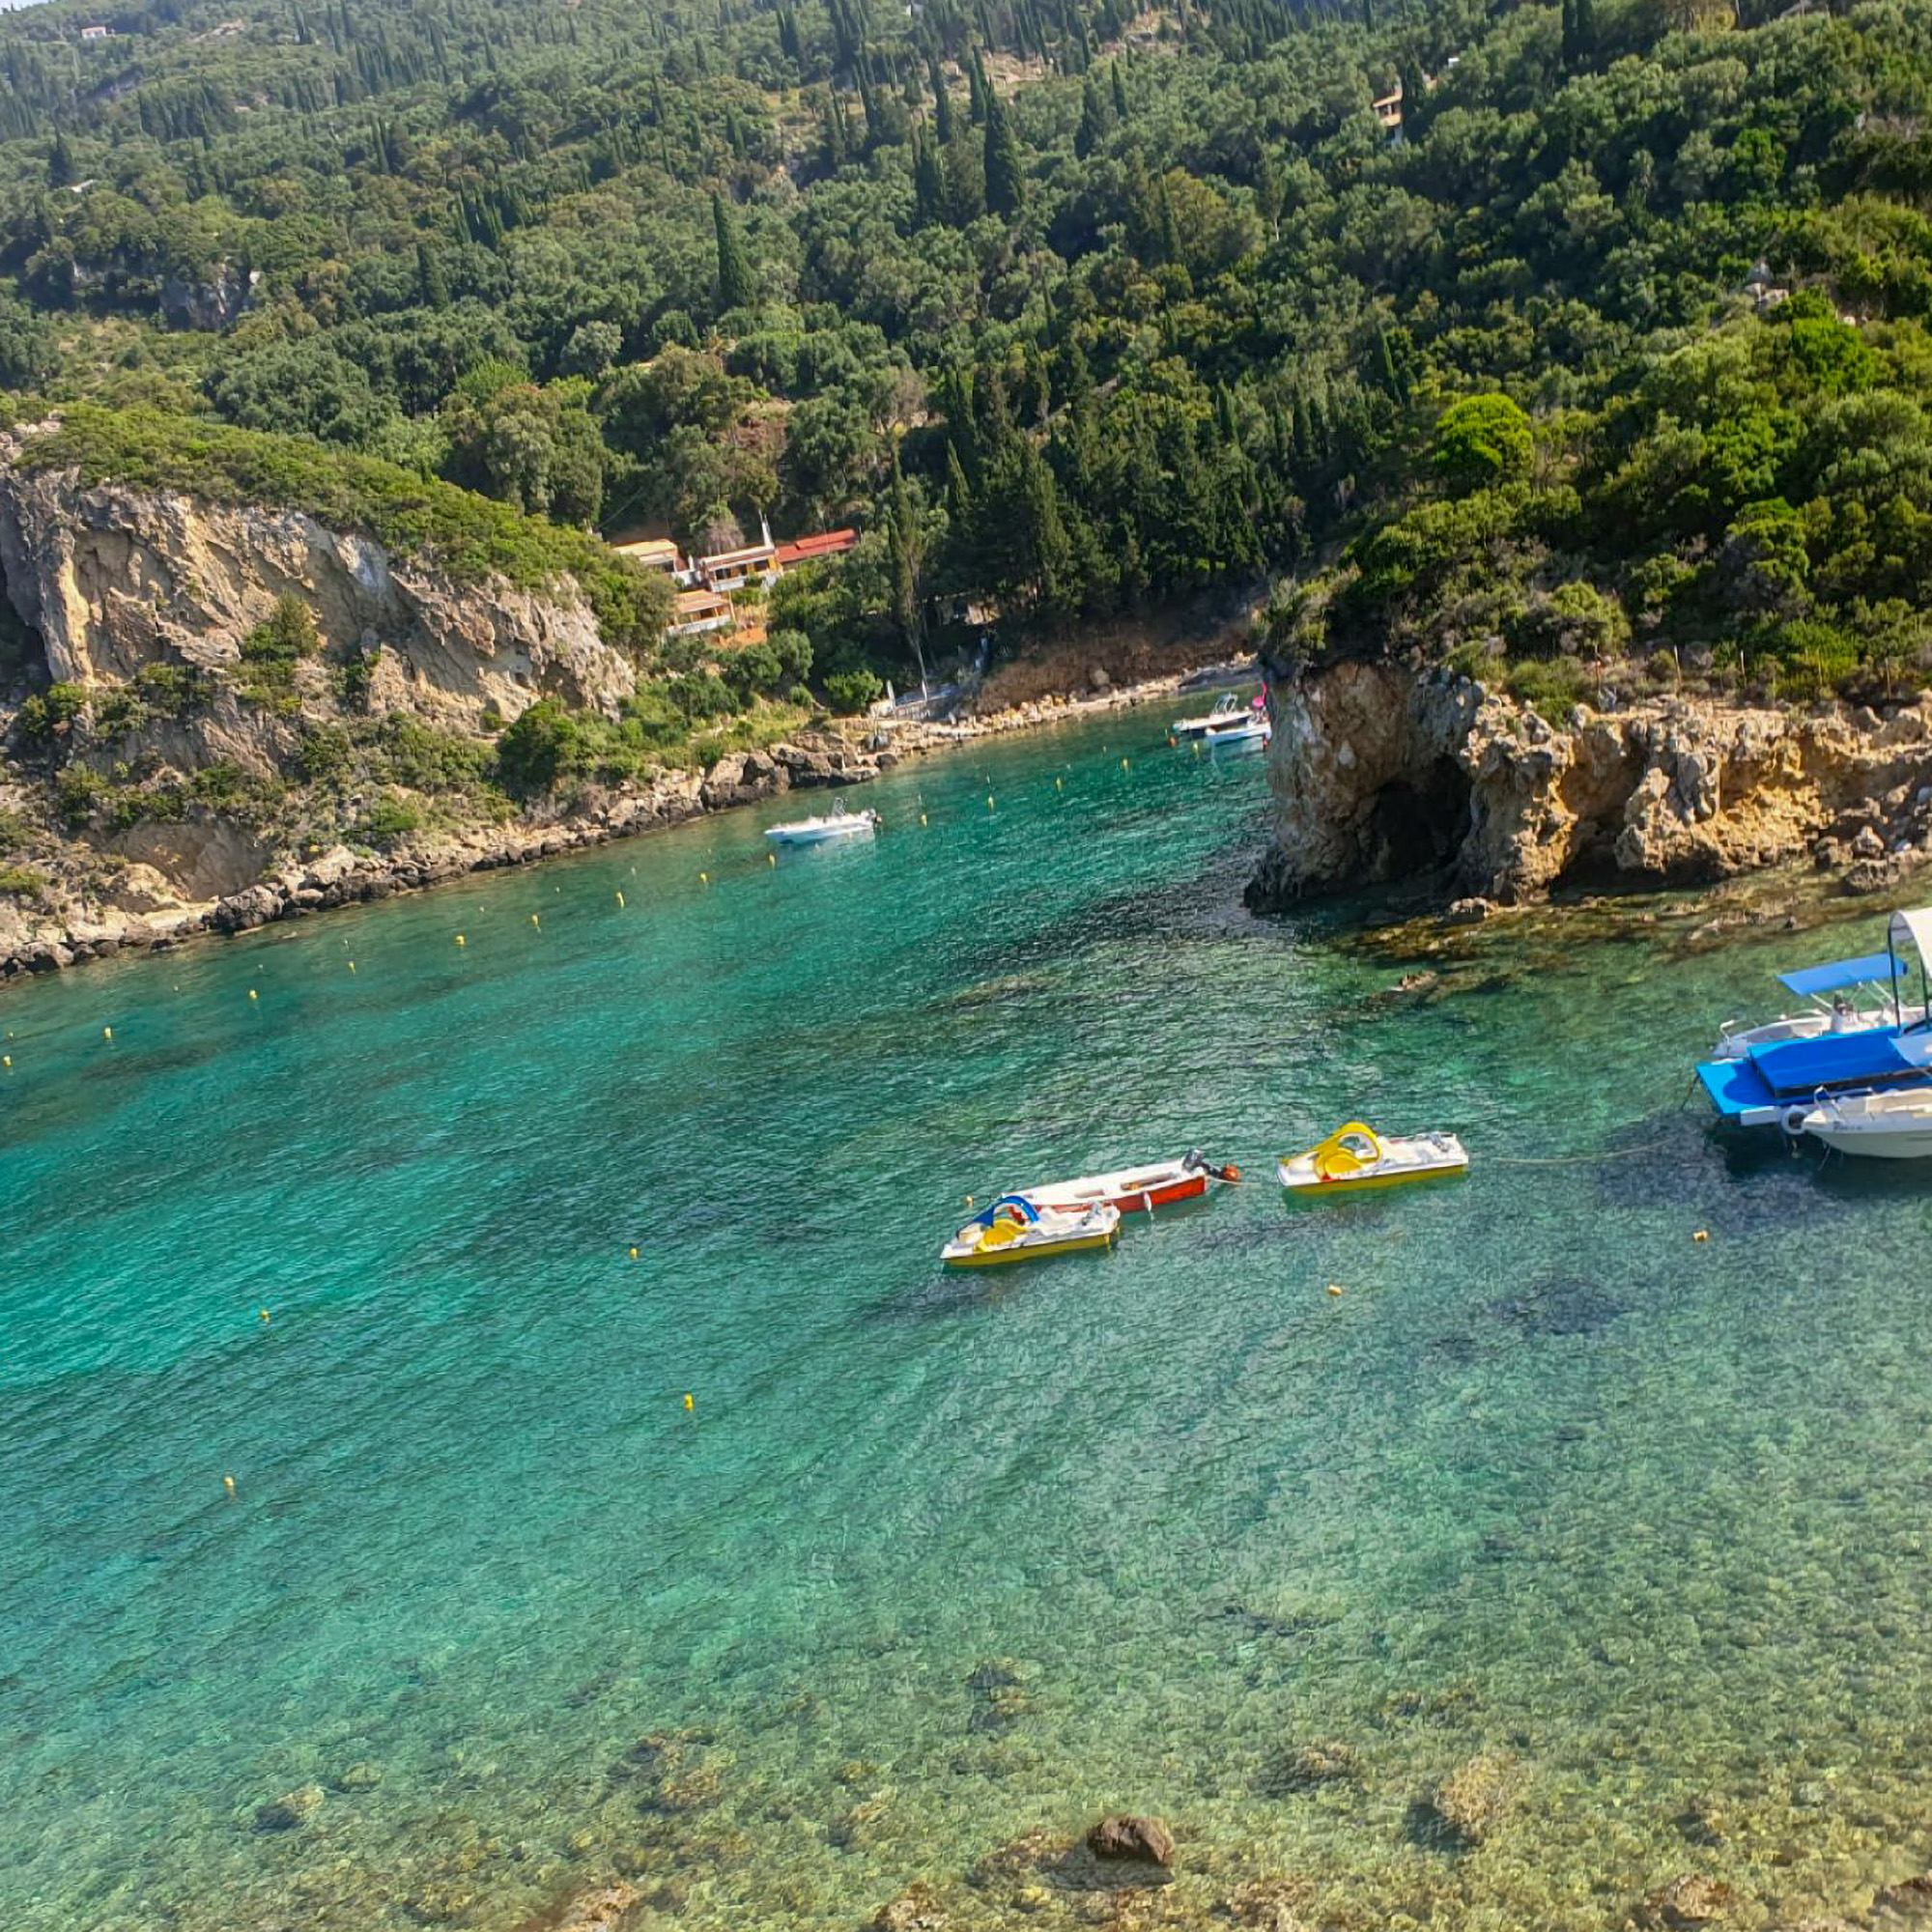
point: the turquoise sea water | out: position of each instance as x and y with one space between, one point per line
1636 1523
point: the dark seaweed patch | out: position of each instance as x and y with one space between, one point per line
1564 1306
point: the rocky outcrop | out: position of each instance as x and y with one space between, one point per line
114 578
1379 771
290 1811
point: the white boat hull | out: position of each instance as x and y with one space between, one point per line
824 831
1874 1126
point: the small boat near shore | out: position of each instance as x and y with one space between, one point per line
1876 1127
1227 712
1252 736
840 823
1855 1042
1131 1189
1014 1230
1356 1158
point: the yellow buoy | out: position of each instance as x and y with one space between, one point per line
771 858
460 941
6 1059
620 898
228 1483
1060 784
969 1200
107 1033
536 922
921 818
1334 1288
704 878
989 801
264 1315
252 994
634 1254
1125 766
352 965
689 1404
1702 1234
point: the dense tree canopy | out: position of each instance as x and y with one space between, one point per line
1618 341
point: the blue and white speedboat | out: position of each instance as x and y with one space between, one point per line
1856 1038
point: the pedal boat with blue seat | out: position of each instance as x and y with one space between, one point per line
1014 1229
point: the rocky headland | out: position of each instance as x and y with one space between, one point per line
159 777
1383 771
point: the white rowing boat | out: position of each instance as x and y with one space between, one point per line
1157 1183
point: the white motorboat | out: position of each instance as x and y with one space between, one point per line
840 823
1253 736
1227 712
1356 1158
1735 1042
1879 1127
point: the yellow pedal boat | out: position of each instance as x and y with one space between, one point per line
1014 1229
1355 1158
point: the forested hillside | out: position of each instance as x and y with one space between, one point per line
1614 345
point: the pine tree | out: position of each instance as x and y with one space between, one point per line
736 286
1006 177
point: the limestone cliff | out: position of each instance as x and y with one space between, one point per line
115 577
1381 771
180 786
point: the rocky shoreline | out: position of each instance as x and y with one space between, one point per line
1385 771
147 916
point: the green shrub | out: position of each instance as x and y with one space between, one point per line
52 711
173 688
355 675
118 713
391 817
14 831
1482 441
538 748
852 691
21 881
1551 686
77 791
324 753
422 759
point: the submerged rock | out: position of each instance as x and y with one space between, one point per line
1560 1307
293 1808
1144 1841
1468 1807
1907 1904
363 1777
1269 1905
1689 1900
1327 1761
607 1908
916 1909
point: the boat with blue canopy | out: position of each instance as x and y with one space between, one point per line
1857 1037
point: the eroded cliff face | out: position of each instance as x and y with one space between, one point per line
114 578
1379 771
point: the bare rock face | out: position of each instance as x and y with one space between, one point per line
115 577
1381 771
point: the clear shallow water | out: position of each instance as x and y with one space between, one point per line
933 1562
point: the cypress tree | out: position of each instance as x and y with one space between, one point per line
1120 92
976 89
735 286
1006 178
928 181
1093 119
942 102
431 283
